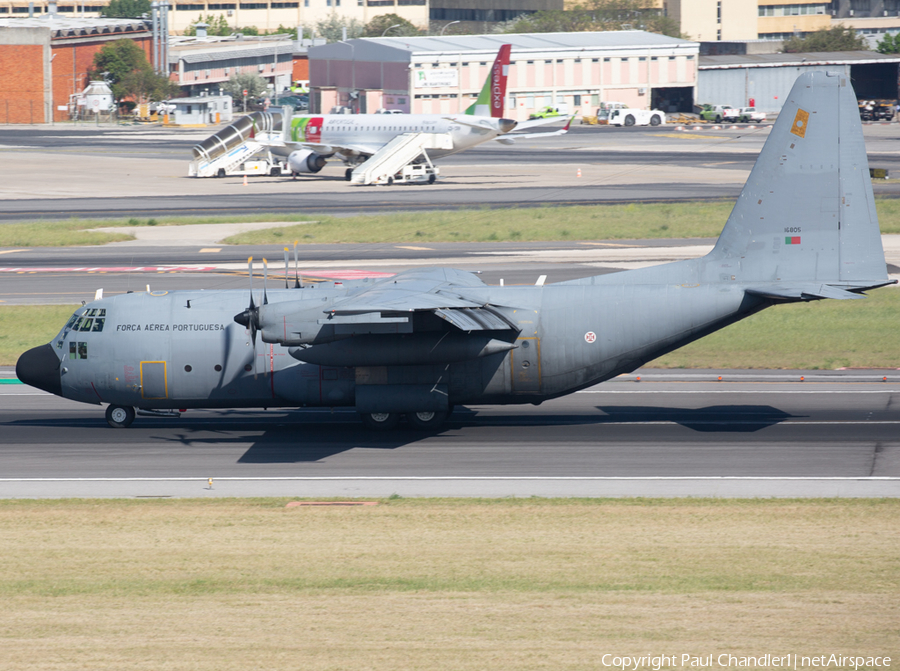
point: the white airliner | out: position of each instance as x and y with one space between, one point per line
309 140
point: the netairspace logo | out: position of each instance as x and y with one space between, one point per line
727 660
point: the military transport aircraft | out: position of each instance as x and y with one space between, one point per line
309 140
423 341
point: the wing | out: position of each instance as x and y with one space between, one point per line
509 138
531 123
444 292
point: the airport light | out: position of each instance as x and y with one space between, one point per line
396 25
447 26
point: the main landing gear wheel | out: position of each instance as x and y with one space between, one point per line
381 421
348 174
119 416
426 420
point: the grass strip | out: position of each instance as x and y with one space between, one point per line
442 584
818 335
699 219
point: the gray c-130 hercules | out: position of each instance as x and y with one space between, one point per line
420 342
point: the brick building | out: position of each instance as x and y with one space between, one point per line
46 59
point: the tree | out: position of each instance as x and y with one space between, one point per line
332 28
144 85
217 25
250 82
381 23
827 39
115 61
890 44
597 15
126 9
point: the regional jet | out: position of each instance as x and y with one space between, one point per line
309 140
425 340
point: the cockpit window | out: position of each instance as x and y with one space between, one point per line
98 324
86 324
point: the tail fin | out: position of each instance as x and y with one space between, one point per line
490 100
806 215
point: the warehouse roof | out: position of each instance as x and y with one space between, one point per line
806 59
64 26
404 48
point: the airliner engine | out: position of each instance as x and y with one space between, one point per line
306 160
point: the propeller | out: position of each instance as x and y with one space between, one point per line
249 318
265 287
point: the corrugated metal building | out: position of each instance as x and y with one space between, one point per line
443 75
764 80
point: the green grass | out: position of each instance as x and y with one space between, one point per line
700 219
230 585
25 326
817 335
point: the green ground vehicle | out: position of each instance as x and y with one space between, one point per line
546 113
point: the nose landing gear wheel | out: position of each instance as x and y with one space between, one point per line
426 420
119 416
381 421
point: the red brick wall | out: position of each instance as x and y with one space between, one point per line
83 57
21 83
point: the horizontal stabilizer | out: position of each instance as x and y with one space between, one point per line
805 292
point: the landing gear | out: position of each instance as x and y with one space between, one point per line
425 421
381 421
119 416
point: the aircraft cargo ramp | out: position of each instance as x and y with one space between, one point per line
398 154
224 152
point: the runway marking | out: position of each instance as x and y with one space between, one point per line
210 250
413 478
13 251
610 244
743 391
113 269
415 249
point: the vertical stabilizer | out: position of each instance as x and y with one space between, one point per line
807 212
490 100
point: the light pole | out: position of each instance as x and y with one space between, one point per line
352 68
447 26
396 25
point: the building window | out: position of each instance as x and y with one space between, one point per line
791 10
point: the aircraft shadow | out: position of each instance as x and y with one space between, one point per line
714 418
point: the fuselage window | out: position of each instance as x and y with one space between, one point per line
82 350
73 350
78 350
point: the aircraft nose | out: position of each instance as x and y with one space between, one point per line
39 367
507 125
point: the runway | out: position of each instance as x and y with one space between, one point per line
149 169
673 433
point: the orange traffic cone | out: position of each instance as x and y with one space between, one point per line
578 174
245 180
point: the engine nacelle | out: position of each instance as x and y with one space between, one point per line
306 160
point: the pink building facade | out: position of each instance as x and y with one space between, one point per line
432 75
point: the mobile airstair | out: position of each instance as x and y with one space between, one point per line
398 160
237 149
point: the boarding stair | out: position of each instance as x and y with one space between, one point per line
230 150
394 161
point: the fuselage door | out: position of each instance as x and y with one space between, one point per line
153 380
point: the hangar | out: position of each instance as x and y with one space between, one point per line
443 75
764 80
46 60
